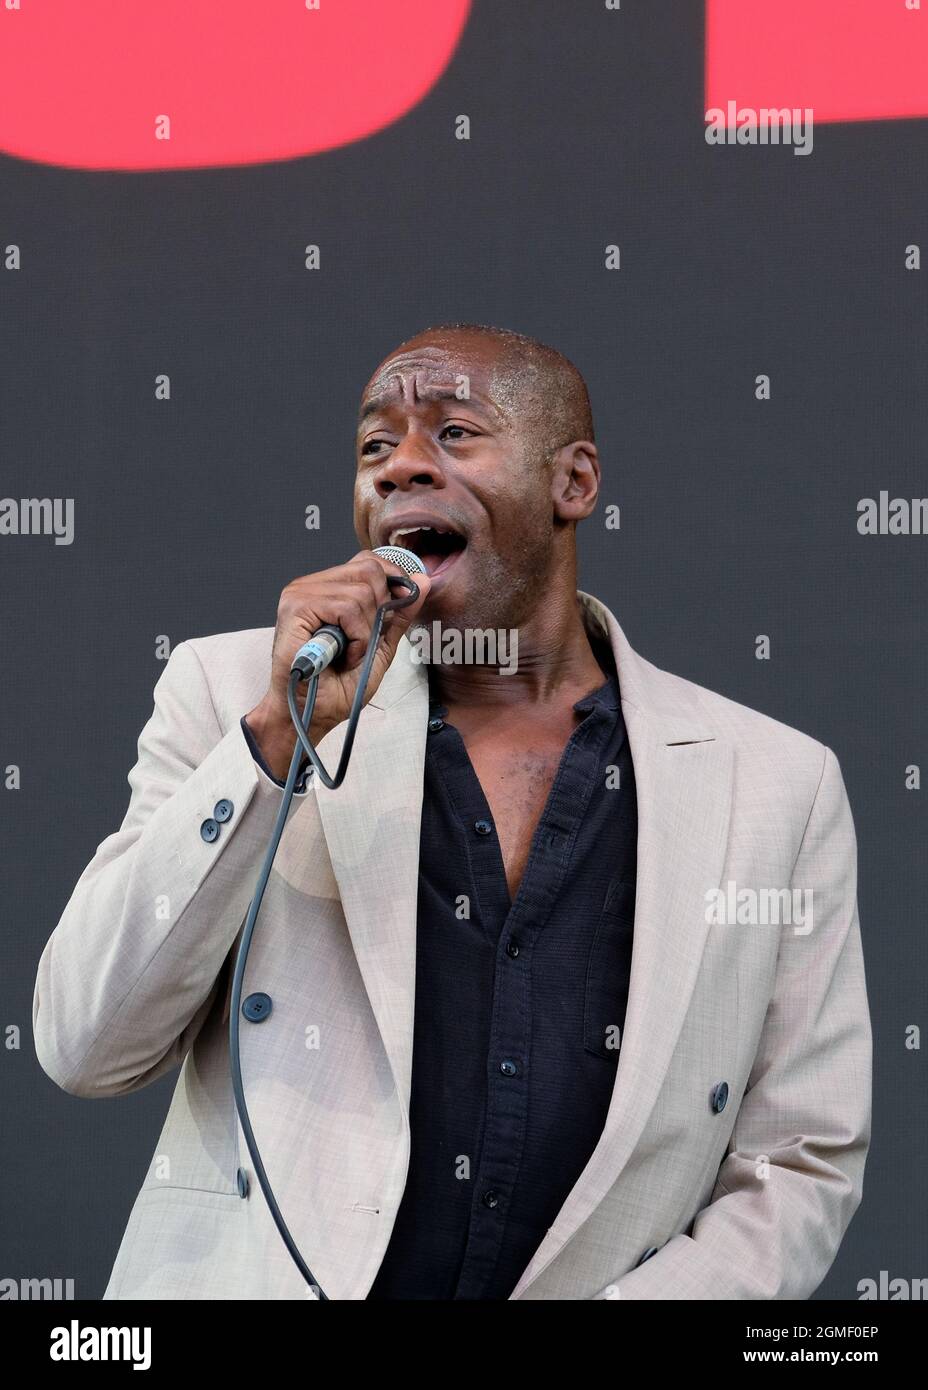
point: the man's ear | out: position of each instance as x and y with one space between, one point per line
575 477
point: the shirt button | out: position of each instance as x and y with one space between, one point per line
483 827
512 949
436 724
209 830
491 1199
508 1068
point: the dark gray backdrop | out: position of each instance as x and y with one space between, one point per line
738 517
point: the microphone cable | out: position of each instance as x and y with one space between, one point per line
301 724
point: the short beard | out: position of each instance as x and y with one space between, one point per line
511 588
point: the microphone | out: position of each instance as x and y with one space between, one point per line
327 644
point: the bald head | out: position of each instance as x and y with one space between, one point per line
486 434
539 388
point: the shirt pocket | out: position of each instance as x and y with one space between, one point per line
608 974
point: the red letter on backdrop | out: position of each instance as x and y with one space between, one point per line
84 83
849 60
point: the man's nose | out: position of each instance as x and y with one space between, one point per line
412 462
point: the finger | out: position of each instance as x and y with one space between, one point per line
350 606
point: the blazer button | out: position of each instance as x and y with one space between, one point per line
241 1179
209 830
222 811
257 1007
651 1250
719 1097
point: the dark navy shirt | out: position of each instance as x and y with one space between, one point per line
519 1007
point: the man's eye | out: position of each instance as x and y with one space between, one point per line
372 445
459 431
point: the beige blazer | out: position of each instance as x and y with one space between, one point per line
683 1198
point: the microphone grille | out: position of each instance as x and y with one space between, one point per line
406 559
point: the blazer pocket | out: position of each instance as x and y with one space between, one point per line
608 974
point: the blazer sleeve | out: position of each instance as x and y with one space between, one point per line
129 974
793 1175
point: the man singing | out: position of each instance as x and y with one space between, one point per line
560 995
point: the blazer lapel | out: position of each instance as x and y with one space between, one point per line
683 774
371 825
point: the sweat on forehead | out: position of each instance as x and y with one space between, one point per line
537 386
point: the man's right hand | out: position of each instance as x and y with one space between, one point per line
348 595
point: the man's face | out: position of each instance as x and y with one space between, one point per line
455 479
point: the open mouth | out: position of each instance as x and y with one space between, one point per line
438 548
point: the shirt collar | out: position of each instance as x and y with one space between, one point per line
605 696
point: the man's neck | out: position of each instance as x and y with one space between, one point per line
556 665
